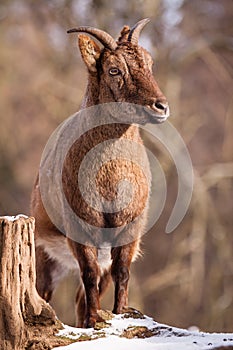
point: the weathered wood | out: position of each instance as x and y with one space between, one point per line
25 318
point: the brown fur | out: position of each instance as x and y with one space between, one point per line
56 254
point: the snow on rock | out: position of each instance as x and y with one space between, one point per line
135 331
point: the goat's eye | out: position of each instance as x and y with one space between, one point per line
114 71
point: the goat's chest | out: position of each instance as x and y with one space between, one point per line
107 183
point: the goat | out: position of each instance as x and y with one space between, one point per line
119 72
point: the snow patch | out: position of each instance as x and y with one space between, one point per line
13 218
164 338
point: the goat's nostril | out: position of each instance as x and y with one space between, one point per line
161 106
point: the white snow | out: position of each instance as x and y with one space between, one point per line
166 338
13 218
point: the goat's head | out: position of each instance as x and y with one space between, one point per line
123 70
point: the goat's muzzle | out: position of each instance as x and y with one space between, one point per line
158 111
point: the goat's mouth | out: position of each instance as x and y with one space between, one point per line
157 115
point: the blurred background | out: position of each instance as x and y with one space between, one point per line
184 278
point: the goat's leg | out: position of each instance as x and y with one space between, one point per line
104 282
80 305
122 257
81 298
48 273
87 258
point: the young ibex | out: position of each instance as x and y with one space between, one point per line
119 72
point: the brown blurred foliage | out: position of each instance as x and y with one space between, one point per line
184 278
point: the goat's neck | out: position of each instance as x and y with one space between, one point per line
91 98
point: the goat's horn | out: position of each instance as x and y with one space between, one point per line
136 30
100 35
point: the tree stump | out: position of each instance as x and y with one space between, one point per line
26 320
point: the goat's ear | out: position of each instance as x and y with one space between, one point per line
90 51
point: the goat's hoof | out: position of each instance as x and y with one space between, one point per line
90 322
118 311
